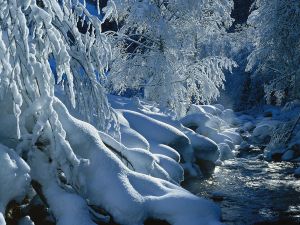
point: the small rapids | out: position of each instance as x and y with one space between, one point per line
251 191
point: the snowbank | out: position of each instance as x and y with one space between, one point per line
156 130
167 136
132 139
130 197
131 179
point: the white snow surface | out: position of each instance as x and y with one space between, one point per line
166 135
133 178
130 197
14 176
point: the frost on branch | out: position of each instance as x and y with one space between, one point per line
160 47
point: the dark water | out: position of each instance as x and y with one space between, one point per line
252 191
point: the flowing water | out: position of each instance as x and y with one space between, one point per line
251 191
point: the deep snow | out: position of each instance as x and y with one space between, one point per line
138 176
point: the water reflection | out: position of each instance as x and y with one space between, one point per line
253 191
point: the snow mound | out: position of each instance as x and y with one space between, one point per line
264 130
156 130
130 197
225 152
204 148
233 135
143 161
132 139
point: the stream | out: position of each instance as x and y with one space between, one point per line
251 191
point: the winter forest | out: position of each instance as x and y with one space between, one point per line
155 112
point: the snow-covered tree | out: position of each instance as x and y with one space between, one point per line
161 49
49 156
275 61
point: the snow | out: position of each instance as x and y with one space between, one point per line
225 152
234 136
128 157
136 196
166 150
264 130
132 139
141 160
8 130
163 138
215 127
2 220
273 129
248 126
200 146
137 176
67 207
14 173
228 115
155 130
204 148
